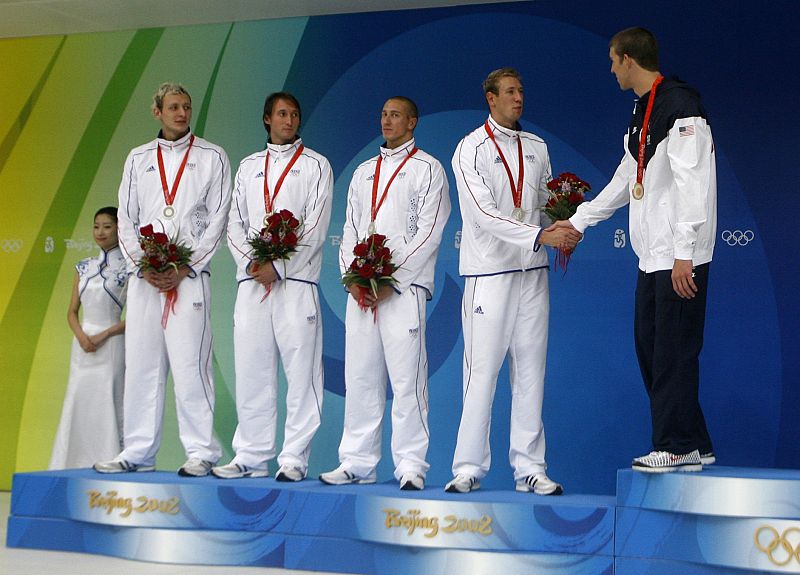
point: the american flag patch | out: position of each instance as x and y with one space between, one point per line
686 130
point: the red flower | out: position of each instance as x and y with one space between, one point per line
575 198
361 250
383 253
376 240
273 221
552 185
293 223
387 270
366 271
275 237
286 215
161 238
155 262
146 230
290 239
551 202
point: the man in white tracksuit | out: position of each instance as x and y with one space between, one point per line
502 174
180 184
403 194
286 322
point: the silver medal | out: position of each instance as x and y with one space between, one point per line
169 212
371 228
518 214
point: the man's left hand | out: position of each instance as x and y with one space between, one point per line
683 279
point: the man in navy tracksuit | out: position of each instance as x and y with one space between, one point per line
668 176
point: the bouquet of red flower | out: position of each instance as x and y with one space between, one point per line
372 267
567 192
160 254
276 241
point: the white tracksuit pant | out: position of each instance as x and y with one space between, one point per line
285 326
393 346
506 313
151 351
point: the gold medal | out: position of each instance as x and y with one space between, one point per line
169 212
518 214
638 191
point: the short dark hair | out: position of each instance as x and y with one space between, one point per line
638 43
413 111
269 103
492 81
110 211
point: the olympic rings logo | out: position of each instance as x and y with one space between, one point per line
737 237
786 549
10 246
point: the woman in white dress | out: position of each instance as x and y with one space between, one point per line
91 420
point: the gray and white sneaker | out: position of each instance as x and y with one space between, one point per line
289 473
341 476
462 484
195 467
708 458
121 466
666 462
237 471
539 484
412 482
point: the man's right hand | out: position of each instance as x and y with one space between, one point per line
562 235
264 273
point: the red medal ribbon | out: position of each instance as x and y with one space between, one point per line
516 191
169 196
269 201
644 130
375 208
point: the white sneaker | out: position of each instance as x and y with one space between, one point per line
666 462
462 484
289 473
412 482
195 467
341 476
539 484
237 471
121 466
708 458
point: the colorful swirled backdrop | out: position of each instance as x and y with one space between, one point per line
72 106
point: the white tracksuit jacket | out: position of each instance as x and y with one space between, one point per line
677 217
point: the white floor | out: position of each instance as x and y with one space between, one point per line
35 562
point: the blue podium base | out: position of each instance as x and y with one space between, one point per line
378 529
723 520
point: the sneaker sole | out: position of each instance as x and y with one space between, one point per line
183 473
367 481
559 490
253 474
676 468
708 460
454 489
143 469
286 479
